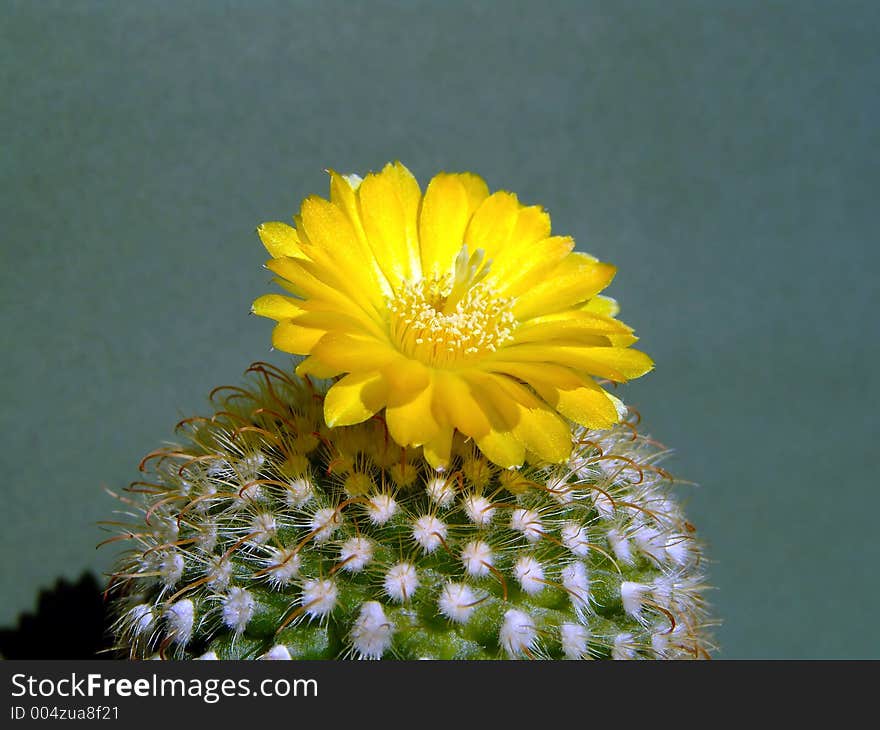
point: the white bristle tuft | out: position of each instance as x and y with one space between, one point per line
678 549
440 490
577 583
604 505
477 558
518 633
620 546
371 632
238 608
319 597
171 567
528 522
576 539
324 523
633 596
478 509
381 508
457 602
219 573
283 565
299 492
180 617
277 653
562 491
429 532
141 619
262 528
355 553
650 541
401 582
529 574
574 639
623 647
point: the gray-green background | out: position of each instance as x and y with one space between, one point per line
723 154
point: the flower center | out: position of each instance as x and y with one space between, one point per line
450 319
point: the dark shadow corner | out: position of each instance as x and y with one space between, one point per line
69 623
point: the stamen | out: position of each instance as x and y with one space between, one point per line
453 318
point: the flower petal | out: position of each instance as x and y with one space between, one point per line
454 400
280 239
438 451
531 266
492 223
406 375
447 207
574 396
410 418
276 306
315 368
502 448
294 338
389 205
600 304
531 225
354 399
539 429
615 363
353 354
575 326
306 280
330 240
577 278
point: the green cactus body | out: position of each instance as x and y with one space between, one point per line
268 535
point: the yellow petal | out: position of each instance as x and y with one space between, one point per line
406 375
308 283
280 239
576 279
343 256
571 325
412 423
531 225
502 412
317 369
539 429
344 196
600 304
276 306
589 405
532 372
453 398
354 399
492 223
502 448
353 354
574 396
531 266
290 337
389 204
615 363
475 186
438 452
447 208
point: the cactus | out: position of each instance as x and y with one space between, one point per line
455 484
267 535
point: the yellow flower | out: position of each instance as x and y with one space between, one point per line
452 310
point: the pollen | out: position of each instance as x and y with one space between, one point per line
448 320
